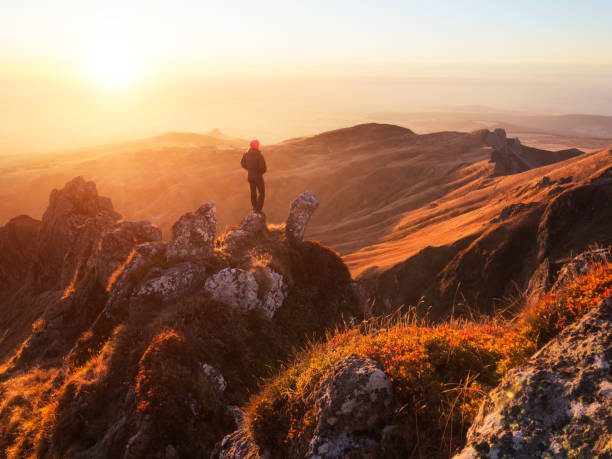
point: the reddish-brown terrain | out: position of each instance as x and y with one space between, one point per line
372 180
118 339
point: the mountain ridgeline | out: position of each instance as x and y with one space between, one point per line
123 338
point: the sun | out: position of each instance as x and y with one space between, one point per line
112 65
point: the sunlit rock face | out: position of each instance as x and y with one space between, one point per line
558 404
301 210
76 204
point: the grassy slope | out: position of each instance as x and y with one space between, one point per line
440 373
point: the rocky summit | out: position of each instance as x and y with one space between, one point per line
140 345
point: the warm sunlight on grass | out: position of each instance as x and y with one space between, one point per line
440 373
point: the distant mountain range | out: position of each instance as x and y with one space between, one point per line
471 118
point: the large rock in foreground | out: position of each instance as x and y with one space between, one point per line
559 404
193 235
354 398
301 210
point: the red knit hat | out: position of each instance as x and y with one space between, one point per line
255 144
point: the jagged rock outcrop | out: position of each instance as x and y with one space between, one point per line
507 153
351 402
239 290
69 209
511 157
147 347
558 404
301 210
99 252
193 235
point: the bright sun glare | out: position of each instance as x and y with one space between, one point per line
113 66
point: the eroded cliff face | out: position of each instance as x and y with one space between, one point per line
518 253
558 404
127 346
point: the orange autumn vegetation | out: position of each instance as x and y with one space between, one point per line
440 373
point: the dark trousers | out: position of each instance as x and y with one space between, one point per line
257 201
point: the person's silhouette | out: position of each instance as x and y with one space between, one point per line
254 162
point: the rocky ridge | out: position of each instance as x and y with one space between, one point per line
213 309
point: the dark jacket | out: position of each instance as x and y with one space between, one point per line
254 162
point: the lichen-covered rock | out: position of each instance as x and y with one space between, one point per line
301 210
253 223
174 283
353 400
193 235
234 287
557 405
275 292
239 290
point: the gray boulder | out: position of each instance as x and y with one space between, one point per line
253 223
239 290
557 405
193 235
301 210
174 283
354 399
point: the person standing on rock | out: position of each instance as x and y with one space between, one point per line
254 162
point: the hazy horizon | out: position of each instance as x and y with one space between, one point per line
74 75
